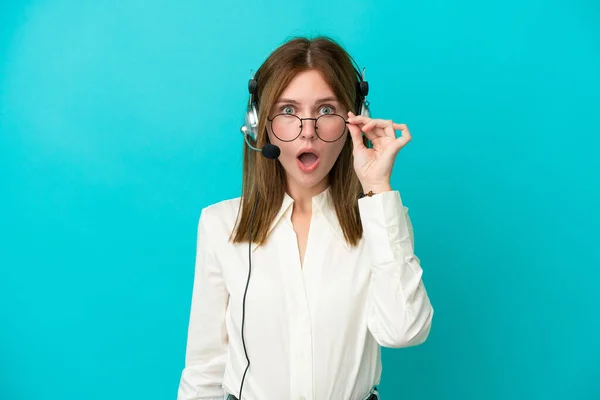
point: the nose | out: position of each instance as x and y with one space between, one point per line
309 128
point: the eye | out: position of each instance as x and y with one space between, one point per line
327 110
287 110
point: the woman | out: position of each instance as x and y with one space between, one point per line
330 275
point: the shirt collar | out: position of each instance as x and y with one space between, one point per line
322 204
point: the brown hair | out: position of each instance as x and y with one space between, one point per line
266 178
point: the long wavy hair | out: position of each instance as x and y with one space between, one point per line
266 178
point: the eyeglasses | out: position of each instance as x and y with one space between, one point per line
328 127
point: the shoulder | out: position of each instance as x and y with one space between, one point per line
223 208
218 219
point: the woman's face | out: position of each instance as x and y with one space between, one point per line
308 96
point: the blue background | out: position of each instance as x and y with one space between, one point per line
119 121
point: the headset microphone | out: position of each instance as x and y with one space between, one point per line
269 150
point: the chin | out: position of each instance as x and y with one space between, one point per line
303 179
308 180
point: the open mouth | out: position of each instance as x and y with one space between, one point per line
308 160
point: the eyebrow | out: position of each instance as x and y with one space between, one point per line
321 100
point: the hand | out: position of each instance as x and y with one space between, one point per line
374 166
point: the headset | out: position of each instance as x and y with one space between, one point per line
271 151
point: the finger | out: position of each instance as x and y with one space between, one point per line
370 133
356 135
369 125
402 140
378 128
353 118
399 143
404 130
379 123
386 126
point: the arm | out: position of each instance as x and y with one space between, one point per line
206 350
399 310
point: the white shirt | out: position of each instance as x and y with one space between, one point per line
312 332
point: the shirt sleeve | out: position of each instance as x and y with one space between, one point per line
206 351
399 309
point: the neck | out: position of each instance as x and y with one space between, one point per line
303 196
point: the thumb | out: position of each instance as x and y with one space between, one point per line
356 135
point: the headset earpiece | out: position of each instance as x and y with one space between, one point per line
251 121
362 90
251 118
363 86
252 86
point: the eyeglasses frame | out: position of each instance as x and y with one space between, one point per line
308 119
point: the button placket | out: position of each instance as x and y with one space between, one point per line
302 371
